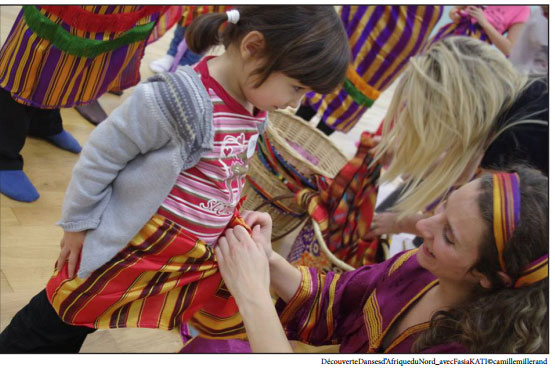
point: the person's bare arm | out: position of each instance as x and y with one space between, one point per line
245 270
504 44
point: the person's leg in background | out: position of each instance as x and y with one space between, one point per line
47 124
15 119
164 63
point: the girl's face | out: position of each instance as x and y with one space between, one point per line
278 91
452 236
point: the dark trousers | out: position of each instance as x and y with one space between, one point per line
37 329
307 112
17 121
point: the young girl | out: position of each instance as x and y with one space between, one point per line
161 179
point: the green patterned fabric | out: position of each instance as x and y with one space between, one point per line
54 33
359 98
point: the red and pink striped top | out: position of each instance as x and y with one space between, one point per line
204 197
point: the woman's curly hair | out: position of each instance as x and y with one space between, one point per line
503 319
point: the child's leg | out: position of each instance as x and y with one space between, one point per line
37 329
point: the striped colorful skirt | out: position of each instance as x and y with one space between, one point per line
163 278
62 56
382 39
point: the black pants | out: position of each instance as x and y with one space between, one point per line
307 112
16 122
37 329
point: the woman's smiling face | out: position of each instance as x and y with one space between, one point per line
452 236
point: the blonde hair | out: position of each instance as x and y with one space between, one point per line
442 116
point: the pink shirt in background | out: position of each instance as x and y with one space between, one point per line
502 17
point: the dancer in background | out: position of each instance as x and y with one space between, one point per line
382 39
62 56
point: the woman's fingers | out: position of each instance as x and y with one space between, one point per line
223 244
241 233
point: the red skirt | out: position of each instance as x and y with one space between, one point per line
162 278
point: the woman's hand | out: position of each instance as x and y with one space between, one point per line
243 264
383 223
245 270
70 246
264 236
390 223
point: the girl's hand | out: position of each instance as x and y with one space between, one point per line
478 15
71 246
262 236
243 265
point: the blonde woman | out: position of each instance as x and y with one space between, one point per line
475 104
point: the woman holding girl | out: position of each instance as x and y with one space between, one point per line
161 179
437 143
477 284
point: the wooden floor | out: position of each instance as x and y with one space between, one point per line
29 239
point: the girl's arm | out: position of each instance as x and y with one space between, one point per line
132 129
244 268
503 44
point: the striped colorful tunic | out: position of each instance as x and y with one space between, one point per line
357 309
62 56
168 275
382 39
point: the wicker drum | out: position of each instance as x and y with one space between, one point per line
304 148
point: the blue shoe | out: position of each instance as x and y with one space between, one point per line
65 141
15 184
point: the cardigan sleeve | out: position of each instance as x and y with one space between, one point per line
133 128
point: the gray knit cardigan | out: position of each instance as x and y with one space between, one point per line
132 160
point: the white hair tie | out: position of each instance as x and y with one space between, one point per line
233 16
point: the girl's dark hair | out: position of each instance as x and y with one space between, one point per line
502 319
307 43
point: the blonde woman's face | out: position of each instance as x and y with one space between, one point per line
452 236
